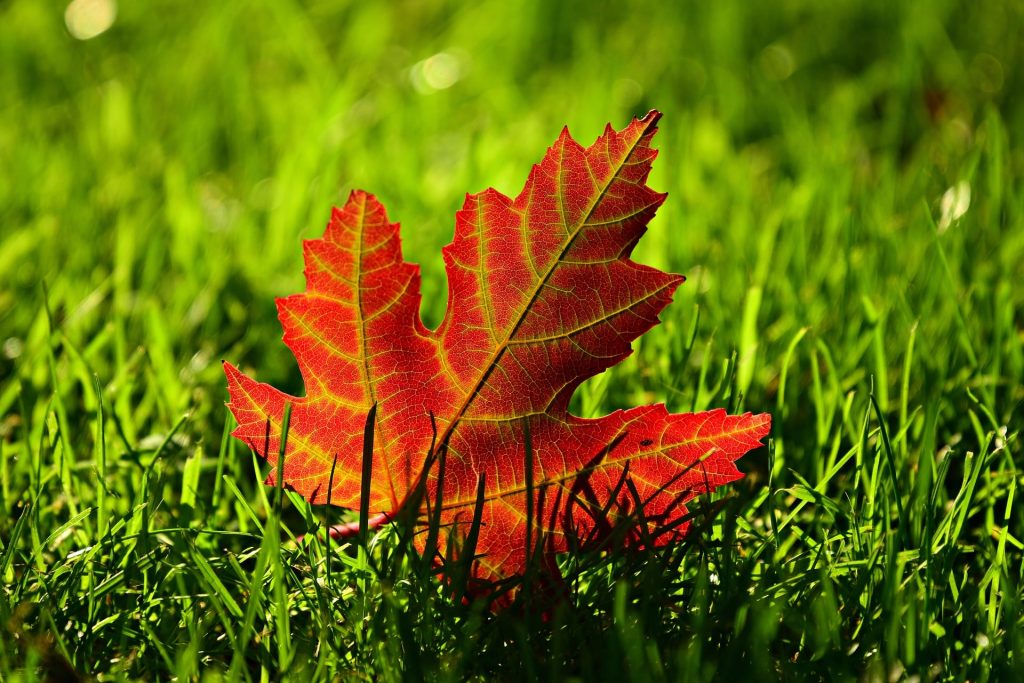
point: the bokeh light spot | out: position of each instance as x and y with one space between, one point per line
87 19
437 72
954 204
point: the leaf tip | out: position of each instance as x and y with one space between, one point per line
653 116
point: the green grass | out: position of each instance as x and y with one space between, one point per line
156 181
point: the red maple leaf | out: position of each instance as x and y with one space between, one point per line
542 295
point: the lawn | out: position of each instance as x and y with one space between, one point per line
845 196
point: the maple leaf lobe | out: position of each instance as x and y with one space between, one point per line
542 295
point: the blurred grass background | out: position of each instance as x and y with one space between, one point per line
173 162
845 197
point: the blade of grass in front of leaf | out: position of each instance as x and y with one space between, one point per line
468 552
366 476
278 593
528 474
327 521
434 520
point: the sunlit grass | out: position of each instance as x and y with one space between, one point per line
845 199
